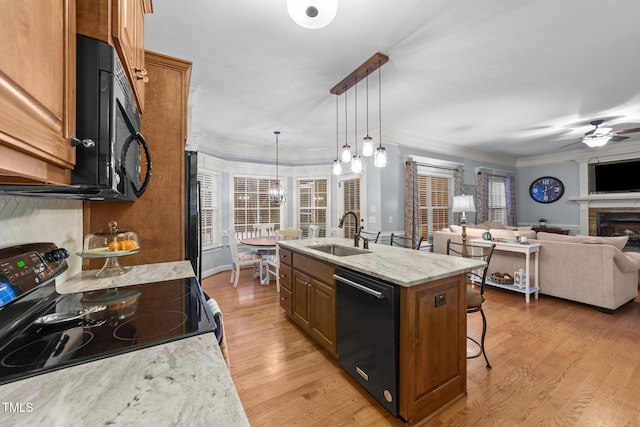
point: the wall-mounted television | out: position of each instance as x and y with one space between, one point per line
615 177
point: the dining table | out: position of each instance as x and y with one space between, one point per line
265 246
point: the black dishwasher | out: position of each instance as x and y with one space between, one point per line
368 331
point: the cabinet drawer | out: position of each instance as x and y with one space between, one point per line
285 276
315 268
286 300
285 256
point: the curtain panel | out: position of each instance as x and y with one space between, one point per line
510 190
458 187
412 202
482 198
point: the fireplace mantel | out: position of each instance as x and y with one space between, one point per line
608 197
614 201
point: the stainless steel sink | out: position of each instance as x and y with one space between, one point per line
338 250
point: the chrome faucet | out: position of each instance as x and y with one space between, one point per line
356 236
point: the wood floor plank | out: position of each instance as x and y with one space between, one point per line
554 363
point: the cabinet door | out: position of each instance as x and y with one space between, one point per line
301 290
286 300
323 314
128 38
37 90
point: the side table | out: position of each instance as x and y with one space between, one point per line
550 230
524 248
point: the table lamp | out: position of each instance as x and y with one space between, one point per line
463 204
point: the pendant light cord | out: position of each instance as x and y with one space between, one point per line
380 101
277 175
367 103
337 131
355 133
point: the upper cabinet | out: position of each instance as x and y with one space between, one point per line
37 90
121 24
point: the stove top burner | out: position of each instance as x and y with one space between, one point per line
50 347
169 322
136 317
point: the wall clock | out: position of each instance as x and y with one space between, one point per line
546 189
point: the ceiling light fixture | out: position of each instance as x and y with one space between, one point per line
356 162
380 159
312 14
277 193
597 141
367 143
337 164
346 148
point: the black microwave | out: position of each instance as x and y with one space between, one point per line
112 157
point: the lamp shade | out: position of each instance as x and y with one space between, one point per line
463 203
312 14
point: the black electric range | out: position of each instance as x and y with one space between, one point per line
119 320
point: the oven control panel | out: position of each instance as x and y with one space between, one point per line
25 267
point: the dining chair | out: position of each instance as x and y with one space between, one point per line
264 230
314 231
404 242
289 234
371 236
476 281
241 259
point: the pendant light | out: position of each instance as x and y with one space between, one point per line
337 164
346 148
367 143
277 194
380 159
356 162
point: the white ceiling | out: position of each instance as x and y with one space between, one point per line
514 78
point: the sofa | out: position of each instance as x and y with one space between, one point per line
587 269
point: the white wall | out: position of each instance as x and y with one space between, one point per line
29 220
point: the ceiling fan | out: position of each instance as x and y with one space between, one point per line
597 137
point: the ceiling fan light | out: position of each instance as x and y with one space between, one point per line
598 141
367 146
346 153
337 167
312 14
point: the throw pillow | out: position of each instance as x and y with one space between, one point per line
618 242
553 237
494 225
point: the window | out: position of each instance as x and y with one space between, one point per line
312 205
435 196
349 195
497 199
251 204
209 208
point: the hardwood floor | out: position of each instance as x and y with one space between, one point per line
554 363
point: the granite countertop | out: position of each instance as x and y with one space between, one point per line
184 382
137 275
404 267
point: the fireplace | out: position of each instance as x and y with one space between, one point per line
620 224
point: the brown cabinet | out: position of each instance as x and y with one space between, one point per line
313 298
37 91
433 356
121 24
285 276
159 215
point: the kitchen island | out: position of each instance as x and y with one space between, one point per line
432 324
